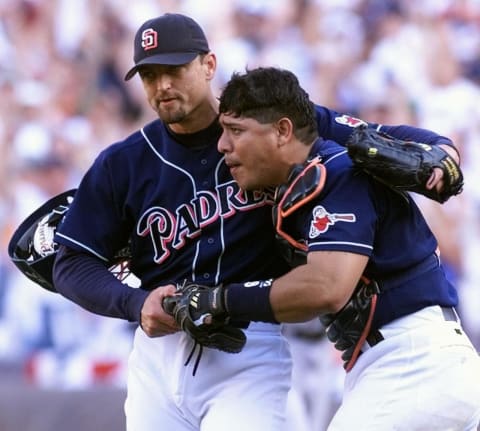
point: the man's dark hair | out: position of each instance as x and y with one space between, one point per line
267 94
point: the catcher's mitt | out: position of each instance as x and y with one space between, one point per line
349 328
193 304
405 165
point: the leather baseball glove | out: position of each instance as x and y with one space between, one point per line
199 311
404 165
350 327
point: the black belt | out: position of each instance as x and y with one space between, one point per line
449 314
309 335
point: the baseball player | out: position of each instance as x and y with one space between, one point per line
371 268
168 192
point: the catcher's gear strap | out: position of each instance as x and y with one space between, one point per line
305 182
349 328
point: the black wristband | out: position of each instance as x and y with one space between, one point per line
250 301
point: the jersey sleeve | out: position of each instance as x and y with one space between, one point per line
338 127
96 222
344 216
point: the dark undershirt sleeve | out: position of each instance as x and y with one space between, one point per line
85 280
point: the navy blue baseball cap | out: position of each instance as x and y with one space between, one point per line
170 39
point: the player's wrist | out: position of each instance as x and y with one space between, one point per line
249 301
216 302
209 302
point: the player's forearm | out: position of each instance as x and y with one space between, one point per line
338 127
295 297
301 295
321 286
424 136
86 281
417 134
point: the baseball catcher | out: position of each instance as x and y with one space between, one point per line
196 306
404 165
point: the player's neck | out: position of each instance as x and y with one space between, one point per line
200 118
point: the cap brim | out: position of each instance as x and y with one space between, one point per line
170 59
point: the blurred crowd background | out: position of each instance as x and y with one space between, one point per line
63 99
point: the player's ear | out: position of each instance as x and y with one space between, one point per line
284 128
209 61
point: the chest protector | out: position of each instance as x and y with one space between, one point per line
304 183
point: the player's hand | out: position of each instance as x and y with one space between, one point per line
436 179
154 321
203 305
200 311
